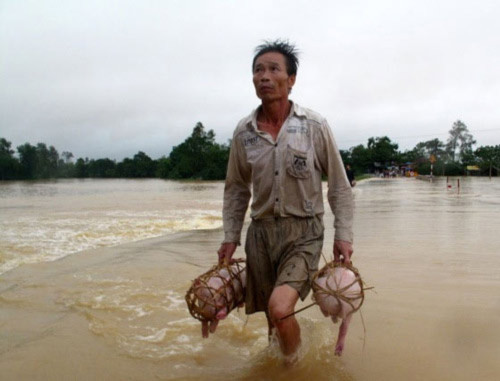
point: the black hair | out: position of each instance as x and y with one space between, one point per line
279 46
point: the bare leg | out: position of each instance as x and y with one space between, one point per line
282 303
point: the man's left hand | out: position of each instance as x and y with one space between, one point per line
342 251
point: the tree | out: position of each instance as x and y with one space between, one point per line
382 150
346 157
101 168
198 157
46 161
421 155
489 157
67 156
460 141
8 163
163 167
361 159
81 170
27 160
144 165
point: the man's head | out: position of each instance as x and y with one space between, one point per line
274 71
289 51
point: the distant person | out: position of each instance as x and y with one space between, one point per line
278 155
350 175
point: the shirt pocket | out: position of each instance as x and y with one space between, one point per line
297 163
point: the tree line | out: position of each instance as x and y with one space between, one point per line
450 158
201 157
198 157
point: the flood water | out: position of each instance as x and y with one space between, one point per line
116 310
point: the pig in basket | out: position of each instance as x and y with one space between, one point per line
214 294
339 292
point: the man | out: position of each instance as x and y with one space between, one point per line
280 152
350 175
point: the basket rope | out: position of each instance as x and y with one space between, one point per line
338 294
204 307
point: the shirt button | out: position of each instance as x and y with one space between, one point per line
276 144
276 173
277 199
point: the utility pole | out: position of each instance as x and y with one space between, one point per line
432 159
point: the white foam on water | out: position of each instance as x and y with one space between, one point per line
50 238
183 339
154 338
174 300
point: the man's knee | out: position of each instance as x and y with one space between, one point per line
282 302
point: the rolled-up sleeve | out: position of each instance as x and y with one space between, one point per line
339 194
237 192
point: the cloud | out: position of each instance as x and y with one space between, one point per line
107 79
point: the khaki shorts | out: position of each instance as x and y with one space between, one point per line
281 251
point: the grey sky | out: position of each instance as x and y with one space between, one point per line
109 78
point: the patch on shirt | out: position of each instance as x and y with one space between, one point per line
308 207
299 163
251 141
298 130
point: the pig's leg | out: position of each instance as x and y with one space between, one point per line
204 329
270 327
213 325
339 347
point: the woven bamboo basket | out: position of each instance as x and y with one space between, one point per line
204 300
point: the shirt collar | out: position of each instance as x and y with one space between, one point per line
294 110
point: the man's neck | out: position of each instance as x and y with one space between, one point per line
273 114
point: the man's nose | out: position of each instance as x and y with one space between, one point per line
264 76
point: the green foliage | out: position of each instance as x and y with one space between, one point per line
27 160
488 158
459 142
9 166
101 168
382 150
379 153
198 157
361 159
81 170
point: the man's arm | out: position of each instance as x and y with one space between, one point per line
339 194
236 198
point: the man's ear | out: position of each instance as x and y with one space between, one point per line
291 81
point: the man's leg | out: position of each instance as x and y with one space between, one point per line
281 304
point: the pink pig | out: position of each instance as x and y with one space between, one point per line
214 297
336 279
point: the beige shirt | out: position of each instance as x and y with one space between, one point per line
285 176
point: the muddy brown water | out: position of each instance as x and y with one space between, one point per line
118 313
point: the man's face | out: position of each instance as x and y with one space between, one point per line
270 77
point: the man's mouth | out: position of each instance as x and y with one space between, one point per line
265 88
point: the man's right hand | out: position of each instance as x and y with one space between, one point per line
226 252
